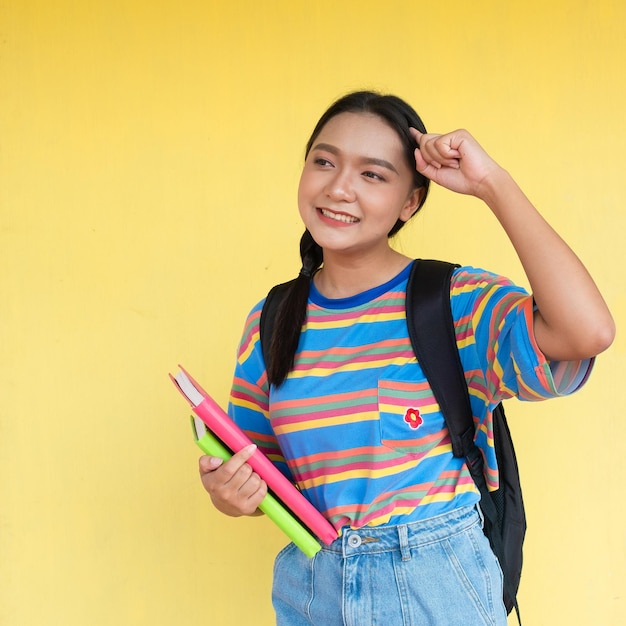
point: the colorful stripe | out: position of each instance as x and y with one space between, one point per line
356 424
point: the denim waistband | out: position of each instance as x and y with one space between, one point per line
403 537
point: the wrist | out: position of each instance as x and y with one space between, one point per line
497 184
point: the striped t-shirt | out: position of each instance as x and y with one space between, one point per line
355 424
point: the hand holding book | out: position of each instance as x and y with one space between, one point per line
235 489
224 432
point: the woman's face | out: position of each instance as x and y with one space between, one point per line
356 184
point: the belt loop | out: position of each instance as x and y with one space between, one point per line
403 537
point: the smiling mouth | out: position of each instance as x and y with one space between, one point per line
339 217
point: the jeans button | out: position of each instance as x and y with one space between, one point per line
354 541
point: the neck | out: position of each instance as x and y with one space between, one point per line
342 276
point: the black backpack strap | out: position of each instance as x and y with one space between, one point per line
431 330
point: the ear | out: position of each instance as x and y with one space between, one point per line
412 203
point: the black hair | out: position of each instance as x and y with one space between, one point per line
291 313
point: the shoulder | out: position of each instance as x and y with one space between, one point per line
251 329
478 287
468 278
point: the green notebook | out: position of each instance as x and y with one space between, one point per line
212 446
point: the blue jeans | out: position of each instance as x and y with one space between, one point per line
436 572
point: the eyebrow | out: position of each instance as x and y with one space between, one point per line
369 160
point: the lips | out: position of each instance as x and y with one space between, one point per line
339 217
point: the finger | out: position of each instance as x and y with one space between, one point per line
235 473
437 146
209 464
427 150
225 485
252 486
420 162
444 145
437 152
423 167
257 497
237 461
416 134
249 502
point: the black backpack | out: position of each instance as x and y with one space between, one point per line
431 330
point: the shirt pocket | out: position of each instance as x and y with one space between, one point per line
410 419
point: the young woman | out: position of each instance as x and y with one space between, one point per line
341 403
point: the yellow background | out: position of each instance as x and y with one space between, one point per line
149 159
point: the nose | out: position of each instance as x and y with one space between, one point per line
340 188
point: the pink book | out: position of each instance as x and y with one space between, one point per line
220 424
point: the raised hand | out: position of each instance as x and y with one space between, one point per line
455 161
571 319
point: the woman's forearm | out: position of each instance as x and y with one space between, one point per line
572 320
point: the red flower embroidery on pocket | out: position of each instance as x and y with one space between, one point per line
413 418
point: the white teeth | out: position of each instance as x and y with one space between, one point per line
347 219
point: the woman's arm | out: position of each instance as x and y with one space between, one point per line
572 320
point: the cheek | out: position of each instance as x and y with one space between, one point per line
303 196
305 191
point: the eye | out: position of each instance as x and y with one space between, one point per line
321 161
373 175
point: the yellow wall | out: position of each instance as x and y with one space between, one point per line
149 156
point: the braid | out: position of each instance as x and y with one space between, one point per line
291 313
311 254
